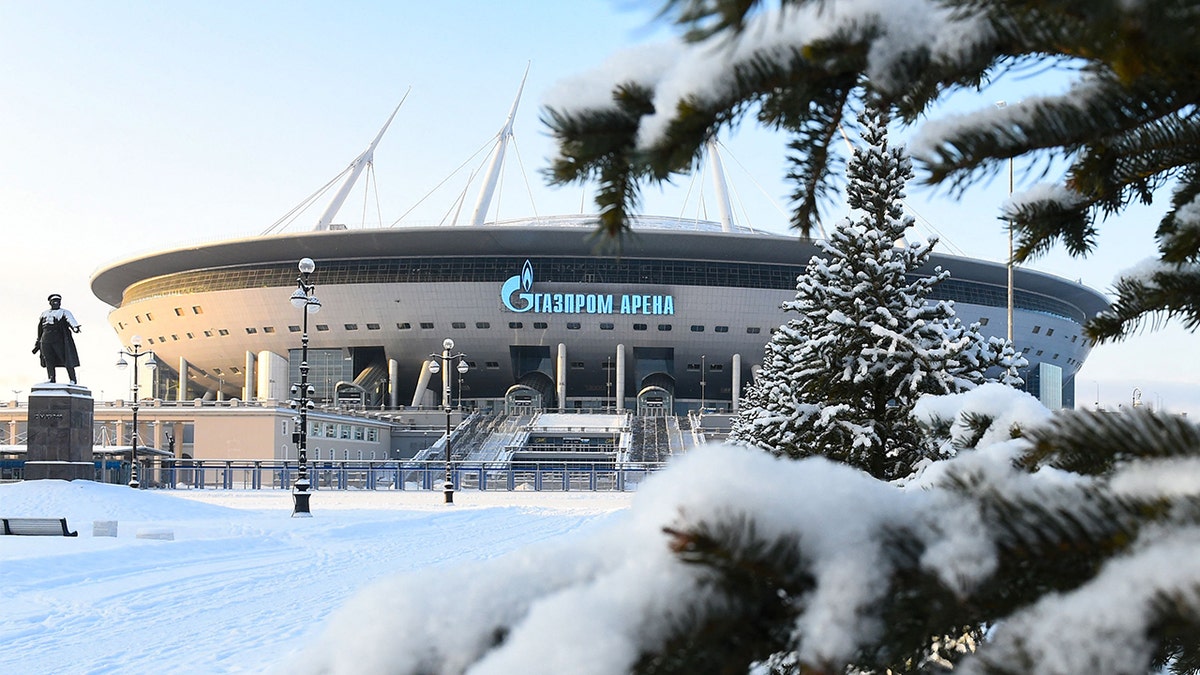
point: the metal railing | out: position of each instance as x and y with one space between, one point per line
555 476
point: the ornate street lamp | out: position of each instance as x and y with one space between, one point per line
135 353
446 357
302 393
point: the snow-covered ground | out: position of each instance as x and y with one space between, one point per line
241 586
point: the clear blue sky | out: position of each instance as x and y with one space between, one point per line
132 126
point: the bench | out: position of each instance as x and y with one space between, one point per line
51 527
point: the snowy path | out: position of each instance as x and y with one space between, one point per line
238 588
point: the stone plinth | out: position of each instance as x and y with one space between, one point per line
59 444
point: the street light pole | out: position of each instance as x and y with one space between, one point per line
304 300
134 353
446 357
703 382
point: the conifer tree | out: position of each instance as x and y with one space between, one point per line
841 378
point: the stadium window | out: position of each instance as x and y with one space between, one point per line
149 316
983 321
175 337
1054 358
697 329
1074 338
1037 329
190 336
516 325
720 329
753 330
197 310
664 327
458 325
403 326
716 367
218 371
222 332
235 370
150 341
322 327
605 325
208 333
491 365
693 367
482 325
1039 352
372 326
251 331
540 325
573 325
268 329
426 325
178 311
577 365
162 338
137 318
639 326
293 329
1049 332
350 326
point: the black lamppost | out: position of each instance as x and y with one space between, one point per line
304 300
446 357
134 353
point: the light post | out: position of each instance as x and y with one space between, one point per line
134 353
304 300
446 357
703 382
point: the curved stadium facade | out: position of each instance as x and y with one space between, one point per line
677 320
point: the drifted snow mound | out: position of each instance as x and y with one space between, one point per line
82 501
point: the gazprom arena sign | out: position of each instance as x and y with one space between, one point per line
518 295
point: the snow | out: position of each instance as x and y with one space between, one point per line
242 584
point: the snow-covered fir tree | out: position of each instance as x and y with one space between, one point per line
841 377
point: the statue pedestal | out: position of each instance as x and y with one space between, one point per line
59 444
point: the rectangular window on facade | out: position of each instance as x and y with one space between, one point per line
372 436
664 327
178 311
222 331
1074 338
293 329
604 325
190 336
458 325
1037 329
268 329
372 326
359 433
208 333
573 325
577 365
491 365
697 329
540 325
516 325
1039 352
403 326
716 367
639 326
693 367
321 327
162 339
1049 332
753 330
720 329
427 325
196 309
482 325
350 326
983 321
344 431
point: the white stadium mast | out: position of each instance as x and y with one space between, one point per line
493 172
356 167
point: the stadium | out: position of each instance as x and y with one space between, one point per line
672 324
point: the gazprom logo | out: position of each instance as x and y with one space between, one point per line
522 282
518 296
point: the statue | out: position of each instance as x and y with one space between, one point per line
54 339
